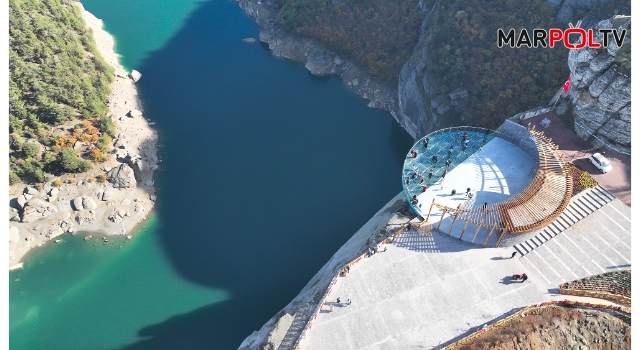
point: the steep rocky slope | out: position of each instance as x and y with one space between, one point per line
421 102
600 97
418 102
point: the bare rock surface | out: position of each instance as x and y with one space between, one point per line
600 97
135 75
122 177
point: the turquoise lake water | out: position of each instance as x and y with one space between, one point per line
266 172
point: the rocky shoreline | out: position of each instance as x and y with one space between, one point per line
320 60
82 202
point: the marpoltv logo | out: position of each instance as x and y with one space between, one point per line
549 38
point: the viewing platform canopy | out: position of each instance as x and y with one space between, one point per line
533 207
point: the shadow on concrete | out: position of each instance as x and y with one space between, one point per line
431 242
477 328
618 266
510 280
553 291
501 258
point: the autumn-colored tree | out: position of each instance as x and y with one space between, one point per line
97 155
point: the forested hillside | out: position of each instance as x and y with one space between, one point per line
58 89
461 49
377 34
501 81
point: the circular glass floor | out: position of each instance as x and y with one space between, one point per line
428 162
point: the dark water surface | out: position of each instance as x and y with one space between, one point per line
266 172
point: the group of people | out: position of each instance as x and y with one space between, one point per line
419 179
339 303
345 271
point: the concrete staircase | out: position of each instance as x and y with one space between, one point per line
580 206
299 323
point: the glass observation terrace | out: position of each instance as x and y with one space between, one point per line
438 153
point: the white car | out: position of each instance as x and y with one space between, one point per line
600 162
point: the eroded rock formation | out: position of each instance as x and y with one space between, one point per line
599 101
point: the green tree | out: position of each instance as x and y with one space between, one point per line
30 149
56 77
13 178
69 161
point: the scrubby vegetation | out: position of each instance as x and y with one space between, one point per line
581 179
380 35
558 328
377 34
615 282
58 88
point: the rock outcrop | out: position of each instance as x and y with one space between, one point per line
37 209
135 75
84 202
122 176
599 101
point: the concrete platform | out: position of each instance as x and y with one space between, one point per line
428 289
497 172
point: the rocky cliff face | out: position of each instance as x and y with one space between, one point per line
418 105
320 60
599 101
414 102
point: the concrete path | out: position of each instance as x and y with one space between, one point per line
597 244
429 289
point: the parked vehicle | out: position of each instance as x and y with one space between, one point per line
601 162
